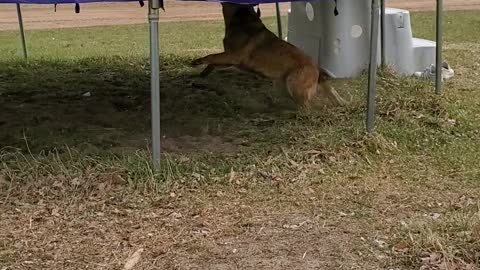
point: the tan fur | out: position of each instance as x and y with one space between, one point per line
266 54
235 38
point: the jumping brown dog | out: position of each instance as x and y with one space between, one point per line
259 50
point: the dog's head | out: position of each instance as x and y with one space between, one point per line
245 13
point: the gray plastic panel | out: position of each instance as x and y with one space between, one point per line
340 44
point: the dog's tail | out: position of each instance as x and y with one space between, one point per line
326 89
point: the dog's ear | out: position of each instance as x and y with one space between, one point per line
258 11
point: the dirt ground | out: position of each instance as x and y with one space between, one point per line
41 17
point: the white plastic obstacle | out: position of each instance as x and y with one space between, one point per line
341 43
403 52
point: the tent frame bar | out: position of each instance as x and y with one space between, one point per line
279 20
372 69
438 45
382 32
22 32
153 18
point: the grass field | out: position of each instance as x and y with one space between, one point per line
247 182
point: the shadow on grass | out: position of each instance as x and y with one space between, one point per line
100 104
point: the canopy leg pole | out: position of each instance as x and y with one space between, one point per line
372 71
153 18
382 31
279 20
22 32
439 28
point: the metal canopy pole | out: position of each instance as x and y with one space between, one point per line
372 71
153 18
382 31
279 20
22 32
439 28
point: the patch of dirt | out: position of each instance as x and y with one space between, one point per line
205 143
94 115
41 17
348 224
95 126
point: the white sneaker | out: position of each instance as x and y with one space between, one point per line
429 72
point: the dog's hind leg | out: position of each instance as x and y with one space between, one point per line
302 86
280 86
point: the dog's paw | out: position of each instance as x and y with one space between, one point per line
203 74
197 62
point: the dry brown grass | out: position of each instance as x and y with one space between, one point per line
246 187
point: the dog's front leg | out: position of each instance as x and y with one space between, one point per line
218 59
210 68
